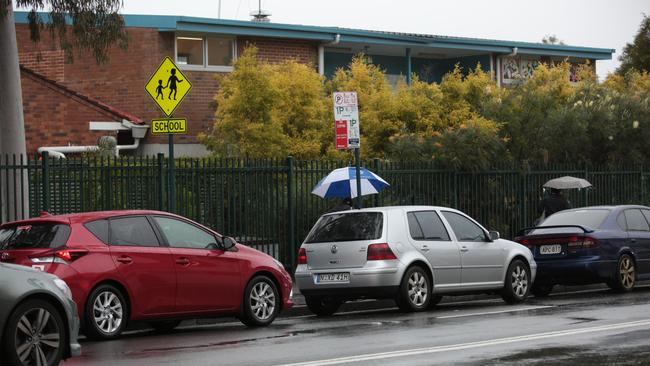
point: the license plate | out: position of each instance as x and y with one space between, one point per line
550 249
333 277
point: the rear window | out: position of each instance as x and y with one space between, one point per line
347 227
588 218
34 236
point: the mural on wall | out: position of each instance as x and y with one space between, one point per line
510 69
516 69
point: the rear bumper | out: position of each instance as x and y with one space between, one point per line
364 282
575 272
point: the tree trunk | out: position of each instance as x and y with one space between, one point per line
12 126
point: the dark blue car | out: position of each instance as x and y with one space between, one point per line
609 244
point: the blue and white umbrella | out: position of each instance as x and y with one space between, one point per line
342 183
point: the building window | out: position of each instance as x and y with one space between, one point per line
189 51
209 53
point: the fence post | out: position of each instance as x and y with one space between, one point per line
161 181
376 169
642 186
456 189
46 180
291 213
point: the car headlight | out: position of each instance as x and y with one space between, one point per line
63 287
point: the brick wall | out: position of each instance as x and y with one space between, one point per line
277 50
120 82
56 118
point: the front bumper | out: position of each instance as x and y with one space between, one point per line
575 272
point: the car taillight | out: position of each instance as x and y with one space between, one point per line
302 256
524 242
586 242
380 252
63 256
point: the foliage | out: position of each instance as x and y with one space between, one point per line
94 25
269 111
636 55
466 122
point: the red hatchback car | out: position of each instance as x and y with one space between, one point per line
148 265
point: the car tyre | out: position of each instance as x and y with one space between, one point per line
517 282
624 278
261 303
414 291
322 305
541 290
39 323
164 326
106 313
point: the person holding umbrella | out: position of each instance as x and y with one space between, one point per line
553 203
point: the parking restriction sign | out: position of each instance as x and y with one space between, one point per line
346 118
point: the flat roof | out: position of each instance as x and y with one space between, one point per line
172 23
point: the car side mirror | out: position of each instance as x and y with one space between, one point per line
494 235
228 243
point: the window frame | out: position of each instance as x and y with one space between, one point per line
486 235
146 217
205 66
420 225
627 222
163 237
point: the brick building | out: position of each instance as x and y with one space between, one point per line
61 99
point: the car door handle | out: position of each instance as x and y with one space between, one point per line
464 249
424 248
632 240
183 261
125 259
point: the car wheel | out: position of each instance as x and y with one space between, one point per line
35 334
415 290
517 284
541 290
106 313
322 306
164 326
261 302
625 276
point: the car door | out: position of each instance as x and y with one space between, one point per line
429 236
481 260
638 231
143 264
208 278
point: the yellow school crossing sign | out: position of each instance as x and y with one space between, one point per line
168 86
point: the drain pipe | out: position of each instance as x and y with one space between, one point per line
321 53
58 152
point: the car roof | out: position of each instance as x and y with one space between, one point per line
82 217
396 208
610 207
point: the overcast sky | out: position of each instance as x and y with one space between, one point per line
595 23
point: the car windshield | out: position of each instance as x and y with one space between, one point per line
347 227
588 218
34 236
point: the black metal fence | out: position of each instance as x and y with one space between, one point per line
268 204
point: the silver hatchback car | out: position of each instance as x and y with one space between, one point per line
413 254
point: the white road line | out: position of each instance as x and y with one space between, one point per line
462 346
495 312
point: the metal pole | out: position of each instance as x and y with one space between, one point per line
171 178
357 163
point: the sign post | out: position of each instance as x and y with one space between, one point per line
346 121
167 86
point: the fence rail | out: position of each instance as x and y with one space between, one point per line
268 204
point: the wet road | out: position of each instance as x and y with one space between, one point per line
581 328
